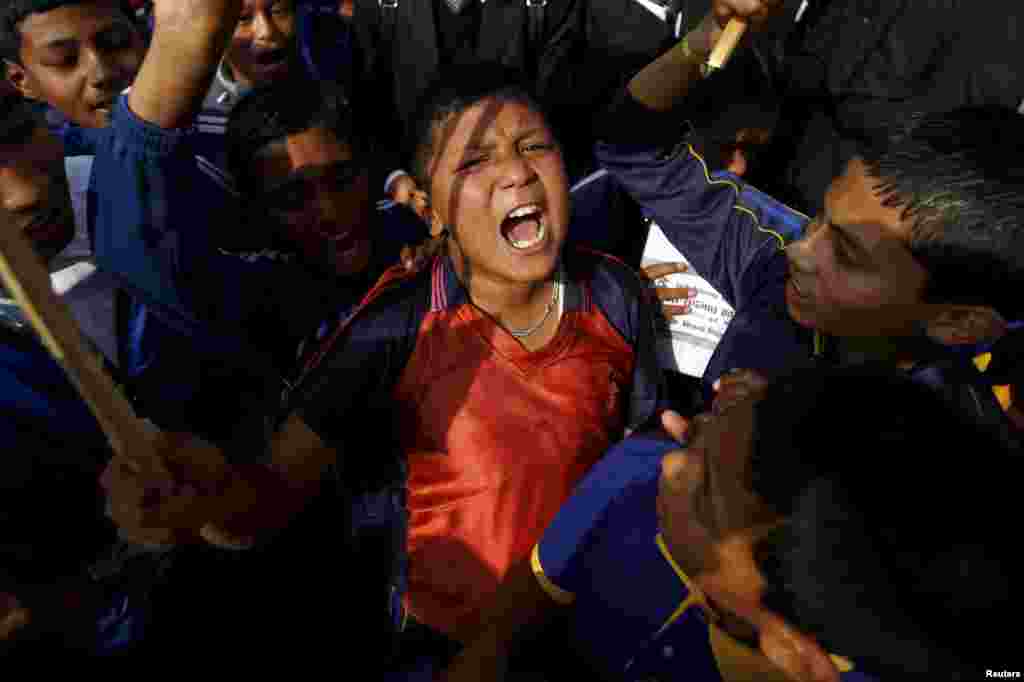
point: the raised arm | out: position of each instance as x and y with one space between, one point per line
189 39
642 143
344 396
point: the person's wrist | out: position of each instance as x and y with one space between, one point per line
701 40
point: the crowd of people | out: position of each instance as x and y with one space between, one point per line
370 274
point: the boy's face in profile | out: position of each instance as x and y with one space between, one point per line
263 47
711 520
320 194
853 274
34 196
78 59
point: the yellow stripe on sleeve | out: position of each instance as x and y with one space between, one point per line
563 597
1002 392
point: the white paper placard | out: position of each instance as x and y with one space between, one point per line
687 343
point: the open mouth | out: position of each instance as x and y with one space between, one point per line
524 227
345 240
269 58
104 108
345 243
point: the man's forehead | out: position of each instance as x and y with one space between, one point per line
316 147
70 22
495 118
855 204
255 5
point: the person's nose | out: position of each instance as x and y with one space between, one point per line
515 171
801 252
105 73
328 206
265 32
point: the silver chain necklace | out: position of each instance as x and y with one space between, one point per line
523 333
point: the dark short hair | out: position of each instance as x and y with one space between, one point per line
13 12
18 119
959 177
457 89
899 509
277 110
753 105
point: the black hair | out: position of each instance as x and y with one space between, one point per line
19 119
277 110
899 511
457 89
959 177
753 105
13 12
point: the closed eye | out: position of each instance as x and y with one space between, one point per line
472 163
116 38
841 247
61 61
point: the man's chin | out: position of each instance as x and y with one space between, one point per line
351 263
799 316
94 118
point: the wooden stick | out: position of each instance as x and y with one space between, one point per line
29 283
731 37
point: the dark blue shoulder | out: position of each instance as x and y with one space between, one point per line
383 327
615 288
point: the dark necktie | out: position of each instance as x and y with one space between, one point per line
456 6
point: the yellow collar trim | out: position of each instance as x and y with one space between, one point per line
696 598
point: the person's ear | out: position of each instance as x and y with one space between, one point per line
795 653
965 324
20 80
438 226
736 162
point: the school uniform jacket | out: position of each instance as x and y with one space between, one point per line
207 329
52 523
634 615
458 443
733 237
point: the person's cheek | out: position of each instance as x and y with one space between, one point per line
286 27
130 63
238 50
844 288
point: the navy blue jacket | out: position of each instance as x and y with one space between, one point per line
706 218
210 336
730 234
52 523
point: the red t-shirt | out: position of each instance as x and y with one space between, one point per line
423 392
496 438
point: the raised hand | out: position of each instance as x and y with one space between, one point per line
188 42
149 512
753 13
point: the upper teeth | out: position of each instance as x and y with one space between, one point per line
524 211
